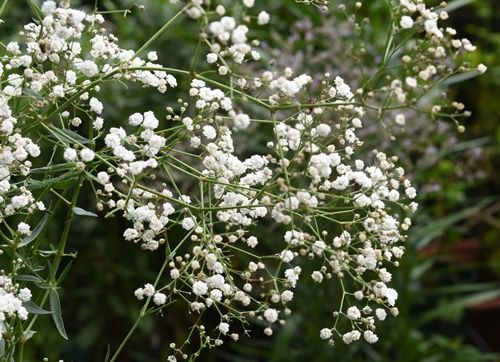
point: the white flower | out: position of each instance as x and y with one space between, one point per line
209 132
353 313
263 18
411 82
88 68
411 192
406 22
58 91
380 313
223 70
286 296
370 337
98 123
271 315
350 337
400 119
200 288
241 121
223 328
87 155
23 228
325 333
211 58
287 256
252 241
392 296
130 234
135 119
317 276
188 223
148 290
159 298
139 293
152 56
174 273
24 294
70 154
48 7
323 130
150 121
96 105
482 68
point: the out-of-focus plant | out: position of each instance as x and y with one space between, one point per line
240 220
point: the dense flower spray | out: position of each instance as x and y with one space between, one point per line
183 185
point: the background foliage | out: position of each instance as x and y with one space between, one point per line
448 282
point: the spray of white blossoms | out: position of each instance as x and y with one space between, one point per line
185 186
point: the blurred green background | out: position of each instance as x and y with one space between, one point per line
448 281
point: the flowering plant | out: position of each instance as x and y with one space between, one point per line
184 185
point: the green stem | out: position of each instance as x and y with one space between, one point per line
67 226
127 337
2 8
141 315
157 34
60 251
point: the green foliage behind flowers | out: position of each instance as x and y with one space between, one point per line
246 164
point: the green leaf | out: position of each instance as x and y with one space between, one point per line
65 184
463 288
457 4
36 9
53 168
34 309
65 272
68 136
29 334
55 306
2 347
458 305
60 182
423 235
36 231
108 354
462 77
82 212
29 278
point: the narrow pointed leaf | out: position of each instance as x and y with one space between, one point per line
55 306
36 231
82 212
108 354
34 309
458 305
29 334
29 278
68 136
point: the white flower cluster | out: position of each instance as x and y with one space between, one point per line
310 165
285 85
213 99
148 291
34 66
440 44
11 302
185 181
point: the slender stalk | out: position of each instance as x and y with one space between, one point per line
158 33
127 337
2 8
67 226
142 314
60 251
143 311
